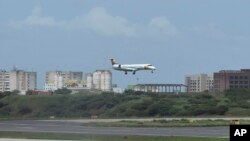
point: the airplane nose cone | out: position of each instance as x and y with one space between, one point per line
153 68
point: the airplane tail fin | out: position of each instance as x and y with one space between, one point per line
113 61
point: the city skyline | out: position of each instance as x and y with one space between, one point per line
178 37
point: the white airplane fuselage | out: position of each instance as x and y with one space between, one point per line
132 67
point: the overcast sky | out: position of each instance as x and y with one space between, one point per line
179 37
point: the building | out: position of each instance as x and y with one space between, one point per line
100 80
89 79
58 79
17 80
66 75
158 88
50 87
230 79
199 83
118 90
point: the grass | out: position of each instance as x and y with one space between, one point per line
58 136
166 123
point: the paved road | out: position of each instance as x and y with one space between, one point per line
77 127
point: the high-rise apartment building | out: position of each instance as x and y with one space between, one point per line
58 79
100 80
17 80
199 83
67 75
231 79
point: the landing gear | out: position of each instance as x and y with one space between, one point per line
152 71
133 72
126 72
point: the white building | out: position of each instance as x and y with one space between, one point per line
100 80
67 76
89 79
57 83
17 80
118 90
50 87
199 83
58 79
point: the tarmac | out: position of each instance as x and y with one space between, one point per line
64 126
8 139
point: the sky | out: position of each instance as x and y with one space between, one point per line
178 37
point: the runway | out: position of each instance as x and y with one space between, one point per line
7 139
79 128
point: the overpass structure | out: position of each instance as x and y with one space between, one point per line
160 88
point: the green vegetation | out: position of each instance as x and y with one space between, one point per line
63 91
130 104
58 136
3 94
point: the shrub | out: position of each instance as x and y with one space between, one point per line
63 91
25 110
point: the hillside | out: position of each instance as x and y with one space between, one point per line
131 104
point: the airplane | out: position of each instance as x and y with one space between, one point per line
131 67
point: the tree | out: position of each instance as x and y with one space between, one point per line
15 92
63 91
29 92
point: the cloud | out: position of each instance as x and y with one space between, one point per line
36 19
100 21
